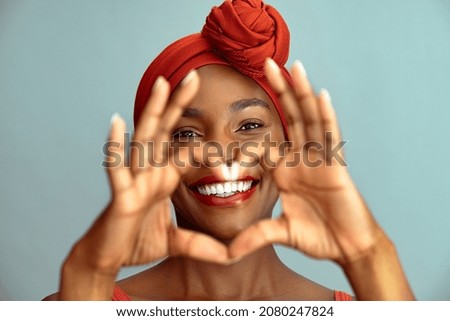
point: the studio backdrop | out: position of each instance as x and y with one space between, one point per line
67 66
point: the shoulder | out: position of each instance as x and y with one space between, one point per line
301 288
158 286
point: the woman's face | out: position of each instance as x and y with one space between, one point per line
229 119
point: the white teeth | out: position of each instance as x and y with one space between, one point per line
224 189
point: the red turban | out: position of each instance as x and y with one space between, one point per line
240 34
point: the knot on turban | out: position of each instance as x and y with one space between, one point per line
245 33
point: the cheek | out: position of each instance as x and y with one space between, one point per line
269 199
272 194
266 146
178 198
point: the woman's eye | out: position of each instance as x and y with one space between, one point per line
185 134
250 126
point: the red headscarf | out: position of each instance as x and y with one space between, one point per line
240 34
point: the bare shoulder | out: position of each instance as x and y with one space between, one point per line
51 297
157 285
300 288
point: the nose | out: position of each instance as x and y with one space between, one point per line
214 153
232 152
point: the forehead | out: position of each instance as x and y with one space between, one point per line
223 84
221 75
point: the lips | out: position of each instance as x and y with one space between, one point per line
213 191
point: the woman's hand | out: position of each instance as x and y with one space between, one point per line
323 216
136 226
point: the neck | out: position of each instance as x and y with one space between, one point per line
196 280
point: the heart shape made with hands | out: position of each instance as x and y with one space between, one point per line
311 219
254 39
323 214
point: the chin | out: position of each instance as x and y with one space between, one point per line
227 231
223 224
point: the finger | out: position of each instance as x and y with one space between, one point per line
300 78
328 115
153 110
156 138
168 178
307 103
141 146
196 245
119 176
289 103
261 234
331 131
182 159
181 98
274 155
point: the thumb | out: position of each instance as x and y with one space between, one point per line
263 233
196 245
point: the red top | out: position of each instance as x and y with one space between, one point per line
120 295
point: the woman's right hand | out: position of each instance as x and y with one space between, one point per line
136 227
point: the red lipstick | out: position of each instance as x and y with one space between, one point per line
213 200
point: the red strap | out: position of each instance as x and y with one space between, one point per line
342 296
120 295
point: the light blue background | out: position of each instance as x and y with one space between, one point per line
67 66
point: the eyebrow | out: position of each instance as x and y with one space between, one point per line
244 103
192 112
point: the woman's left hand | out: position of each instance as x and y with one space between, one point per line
324 216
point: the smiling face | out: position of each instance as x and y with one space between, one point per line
233 114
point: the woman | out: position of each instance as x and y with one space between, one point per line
227 87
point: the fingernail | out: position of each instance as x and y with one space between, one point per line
325 94
298 64
114 117
188 77
273 65
157 83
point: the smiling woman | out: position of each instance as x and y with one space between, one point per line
227 86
